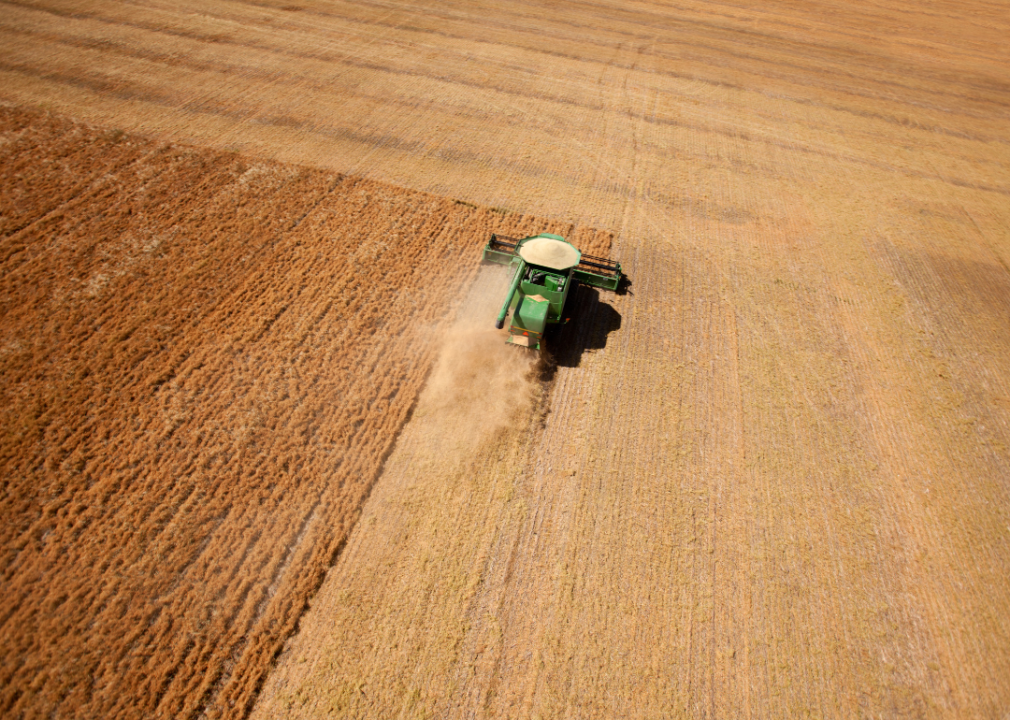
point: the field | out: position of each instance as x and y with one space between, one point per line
262 454
205 364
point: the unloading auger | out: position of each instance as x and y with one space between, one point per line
546 270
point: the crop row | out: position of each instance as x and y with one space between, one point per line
206 360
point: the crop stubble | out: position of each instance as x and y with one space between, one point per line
205 362
780 488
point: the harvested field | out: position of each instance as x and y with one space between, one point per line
770 480
205 362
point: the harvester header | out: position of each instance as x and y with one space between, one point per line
546 270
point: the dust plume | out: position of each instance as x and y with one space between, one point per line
480 385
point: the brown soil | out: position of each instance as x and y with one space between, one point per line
772 479
205 361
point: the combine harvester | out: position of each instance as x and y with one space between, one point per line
547 269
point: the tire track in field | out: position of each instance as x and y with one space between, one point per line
267 75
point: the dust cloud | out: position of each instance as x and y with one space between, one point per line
480 384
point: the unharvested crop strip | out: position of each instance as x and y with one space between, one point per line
206 363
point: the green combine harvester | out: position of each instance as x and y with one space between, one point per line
547 269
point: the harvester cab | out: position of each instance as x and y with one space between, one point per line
546 269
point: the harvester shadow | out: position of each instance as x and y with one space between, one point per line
591 323
624 286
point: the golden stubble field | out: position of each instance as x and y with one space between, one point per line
772 479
